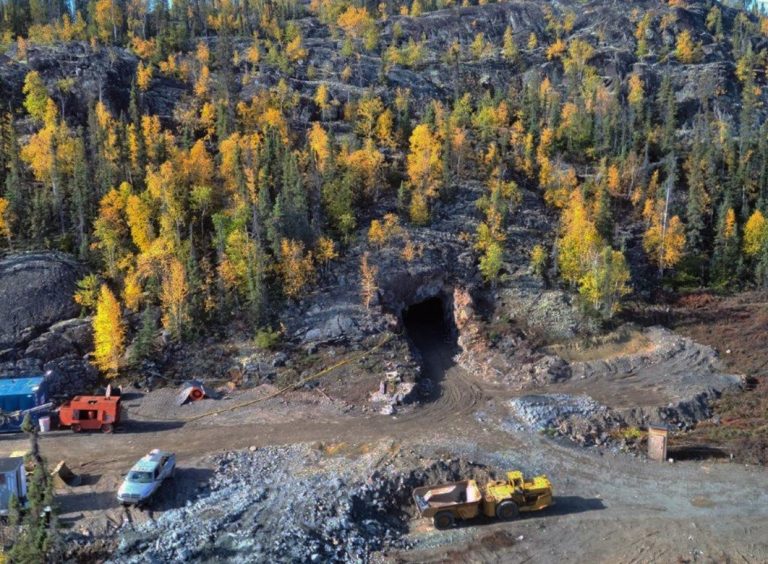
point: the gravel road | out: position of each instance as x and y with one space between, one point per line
610 507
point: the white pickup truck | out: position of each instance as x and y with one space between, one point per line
144 479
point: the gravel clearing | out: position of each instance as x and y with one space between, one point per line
160 405
671 369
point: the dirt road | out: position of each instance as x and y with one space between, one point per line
610 508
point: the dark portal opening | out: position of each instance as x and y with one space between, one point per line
432 334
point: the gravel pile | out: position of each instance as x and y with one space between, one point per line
290 504
577 417
546 411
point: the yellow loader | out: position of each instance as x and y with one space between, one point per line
503 499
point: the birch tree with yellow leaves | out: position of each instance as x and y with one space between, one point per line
600 273
664 239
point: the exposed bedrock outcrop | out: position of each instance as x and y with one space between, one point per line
36 291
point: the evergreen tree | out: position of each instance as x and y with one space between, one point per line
604 214
138 147
338 202
726 251
698 197
293 202
17 206
668 109
256 297
38 540
143 344
80 197
745 175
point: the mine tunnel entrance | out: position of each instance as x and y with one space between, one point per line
433 336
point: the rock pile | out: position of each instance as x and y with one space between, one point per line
258 506
578 417
545 411
291 504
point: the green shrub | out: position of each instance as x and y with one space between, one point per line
266 339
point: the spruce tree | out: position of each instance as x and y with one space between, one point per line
293 201
726 249
668 112
38 540
143 345
79 189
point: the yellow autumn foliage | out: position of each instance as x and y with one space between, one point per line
108 333
579 242
755 234
664 244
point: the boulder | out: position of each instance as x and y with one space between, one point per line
70 376
49 346
79 332
36 291
338 326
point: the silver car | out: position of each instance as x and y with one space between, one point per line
144 479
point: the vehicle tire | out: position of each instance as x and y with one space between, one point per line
106 428
444 520
76 428
507 510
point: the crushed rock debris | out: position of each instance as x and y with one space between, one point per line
295 503
544 411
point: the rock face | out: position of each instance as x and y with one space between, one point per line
540 412
36 291
69 376
99 73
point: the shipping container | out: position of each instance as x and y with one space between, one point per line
18 395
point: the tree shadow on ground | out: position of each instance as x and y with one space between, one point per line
79 502
133 426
